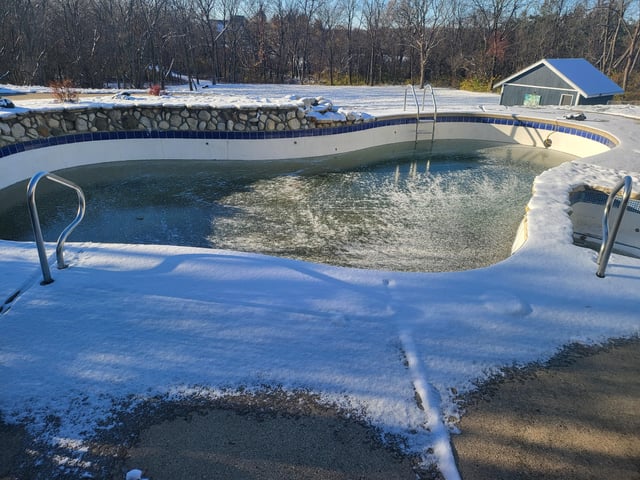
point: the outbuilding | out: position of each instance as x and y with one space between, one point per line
558 81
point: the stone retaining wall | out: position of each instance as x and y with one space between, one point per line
32 125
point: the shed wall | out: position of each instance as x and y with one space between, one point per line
542 76
518 95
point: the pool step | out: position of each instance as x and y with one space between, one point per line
424 126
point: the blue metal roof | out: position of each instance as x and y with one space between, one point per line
584 76
577 72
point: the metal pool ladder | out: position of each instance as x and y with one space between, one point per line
35 221
424 126
608 239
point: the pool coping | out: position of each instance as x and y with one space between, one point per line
554 126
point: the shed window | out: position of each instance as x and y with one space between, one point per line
531 100
566 99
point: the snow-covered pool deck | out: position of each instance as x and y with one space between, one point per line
132 321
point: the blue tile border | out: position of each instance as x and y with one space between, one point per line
536 124
264 135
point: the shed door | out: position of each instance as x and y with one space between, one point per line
566 99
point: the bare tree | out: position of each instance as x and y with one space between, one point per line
308 10
134 42
284 39
259 56
350 9
77 32
11 42
26 40
373 14
104 19
629 58
329 16
496 19
610 15
544 35
424 21
230 37
205 11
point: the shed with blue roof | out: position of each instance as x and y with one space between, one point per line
558 81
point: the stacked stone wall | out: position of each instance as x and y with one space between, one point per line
32 125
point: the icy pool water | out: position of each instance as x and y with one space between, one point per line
455 207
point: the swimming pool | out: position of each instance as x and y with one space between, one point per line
453 207
303 162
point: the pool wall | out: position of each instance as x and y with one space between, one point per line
312 140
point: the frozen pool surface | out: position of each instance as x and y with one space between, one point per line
424 211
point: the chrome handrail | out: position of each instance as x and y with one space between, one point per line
415 97
417 103
35 221
433 99
424 96
609 239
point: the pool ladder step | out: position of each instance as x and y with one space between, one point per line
425 126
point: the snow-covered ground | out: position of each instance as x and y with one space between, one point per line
134 321
372 100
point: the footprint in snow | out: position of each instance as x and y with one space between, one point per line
505 303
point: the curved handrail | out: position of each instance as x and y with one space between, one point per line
35 221
415 97
424 96
418 108
609 239
433 100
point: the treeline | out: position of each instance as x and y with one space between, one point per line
137 43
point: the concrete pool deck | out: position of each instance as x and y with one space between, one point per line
130 320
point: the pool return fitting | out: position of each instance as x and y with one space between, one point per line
609 239
35 222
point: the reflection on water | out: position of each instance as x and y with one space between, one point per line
425 212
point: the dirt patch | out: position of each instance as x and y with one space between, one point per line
273 434
241 443
12 447
575 418
258 436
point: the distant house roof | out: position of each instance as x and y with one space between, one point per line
577 72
